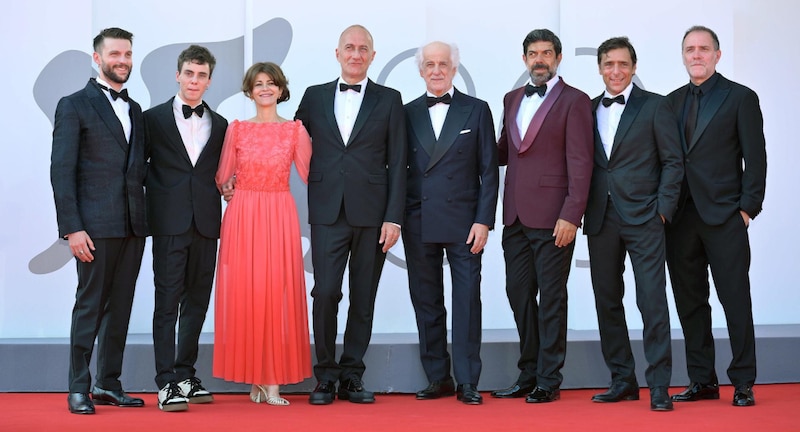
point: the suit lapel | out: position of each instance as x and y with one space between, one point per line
710 109
210 146
369 102
632 107
420 121
328 93
166 121
598 141
103 107
511 117
541 113
457 115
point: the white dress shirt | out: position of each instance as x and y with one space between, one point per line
195 131
345 107
438 113
121 108
608 119
529 106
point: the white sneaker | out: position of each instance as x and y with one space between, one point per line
170 399
192 390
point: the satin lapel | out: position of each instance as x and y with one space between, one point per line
420 121
369 102
632 108
166 121
457 115
329 110
541 113
710 109
103 107
598 142
511 117
216 124
137 127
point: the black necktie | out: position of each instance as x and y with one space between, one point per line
445 99
531 89
355 87
115 94
691 115
187 111
620 99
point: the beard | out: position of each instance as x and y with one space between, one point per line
112 75
539 78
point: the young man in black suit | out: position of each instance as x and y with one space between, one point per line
356 197
451 199
184 141
636 181
97 172
723 189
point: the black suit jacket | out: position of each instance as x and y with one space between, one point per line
178 192
96 174
452 182
726 162
368 174
644 173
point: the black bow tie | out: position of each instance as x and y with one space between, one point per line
607 102
531 89
355 87
445 99
115 94
187 111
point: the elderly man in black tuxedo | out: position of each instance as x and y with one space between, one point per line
184 142
356 197
723 189
450 206
97 172
638 168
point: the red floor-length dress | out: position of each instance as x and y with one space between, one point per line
261 318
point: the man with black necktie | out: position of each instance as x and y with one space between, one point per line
451 199
356 197
546 141
723 189
638 168
184 142
97 171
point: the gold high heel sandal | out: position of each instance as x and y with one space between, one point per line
258 394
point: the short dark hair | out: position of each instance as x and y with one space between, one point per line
112 33
273 71
541 35
699 28
616 43
197 54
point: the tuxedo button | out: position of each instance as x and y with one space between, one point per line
425 175
424 198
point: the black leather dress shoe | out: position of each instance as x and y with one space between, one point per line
79 403
115 397
619 391
353 390
515 391
323 393
437 389
468 394
541 394
743 396
659 399
696 392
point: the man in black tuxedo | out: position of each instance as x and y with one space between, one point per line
638 168
723 189
450 206
183 144
97 171
356 197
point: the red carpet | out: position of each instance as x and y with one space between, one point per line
574 412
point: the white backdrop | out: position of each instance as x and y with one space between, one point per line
46 47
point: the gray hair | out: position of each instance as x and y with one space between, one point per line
455 57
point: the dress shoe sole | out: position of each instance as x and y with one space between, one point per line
436 396
743 404
321 401
661 408
201 399
174 407
356 399
84 412
678 398
509 396
624 398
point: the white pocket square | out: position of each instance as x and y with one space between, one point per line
465 131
